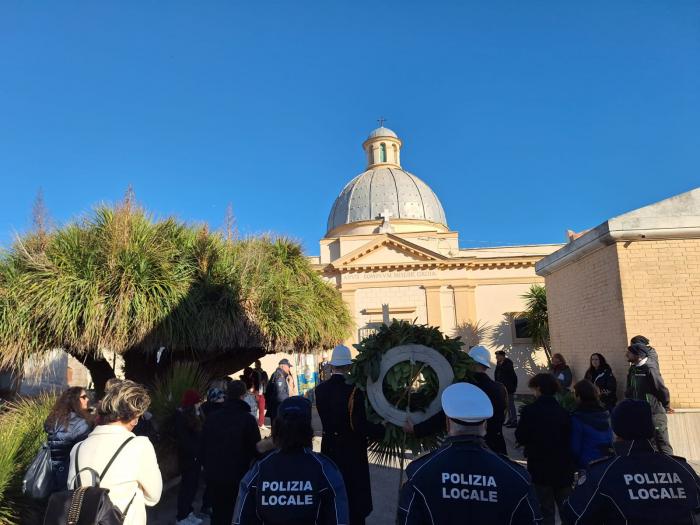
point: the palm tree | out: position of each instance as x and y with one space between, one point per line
122 281
537 319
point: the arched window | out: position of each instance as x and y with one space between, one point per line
370 154
383 153
396 153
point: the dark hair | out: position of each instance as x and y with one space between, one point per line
235 389
500 352
560 357
547 384
603 365
292 432
67 402
588 394
639 339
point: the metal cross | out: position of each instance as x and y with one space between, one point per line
381 121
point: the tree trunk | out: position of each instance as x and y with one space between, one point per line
232 361
141 367
100 369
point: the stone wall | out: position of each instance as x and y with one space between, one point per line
660 282
586 314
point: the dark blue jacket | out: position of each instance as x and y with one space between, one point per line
591 435
277 391
60 440
465 482
638 486
292 488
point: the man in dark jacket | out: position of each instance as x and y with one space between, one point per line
229 437
278 388
341 408
496 394
505 374
638 484
651 351
544 430
464 481
644 383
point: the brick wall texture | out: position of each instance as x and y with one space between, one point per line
646 287
660 283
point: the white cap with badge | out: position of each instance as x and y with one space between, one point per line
341 356
466 403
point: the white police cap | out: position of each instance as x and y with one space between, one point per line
341 356
467 403
481 355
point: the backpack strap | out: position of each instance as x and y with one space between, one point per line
77 466
109 464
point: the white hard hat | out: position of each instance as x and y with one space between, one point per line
341 356
481 355
466 402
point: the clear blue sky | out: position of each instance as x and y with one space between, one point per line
526 118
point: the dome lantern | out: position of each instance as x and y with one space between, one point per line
383 148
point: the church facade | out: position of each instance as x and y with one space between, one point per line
389 250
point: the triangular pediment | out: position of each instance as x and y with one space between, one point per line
387 249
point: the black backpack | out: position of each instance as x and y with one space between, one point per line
86 505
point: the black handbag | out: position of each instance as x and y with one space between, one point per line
38 480
86 505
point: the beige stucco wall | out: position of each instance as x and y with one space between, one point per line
586 314
660 282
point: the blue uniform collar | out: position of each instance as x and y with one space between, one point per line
466 439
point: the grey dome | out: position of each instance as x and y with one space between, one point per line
382 132
393 189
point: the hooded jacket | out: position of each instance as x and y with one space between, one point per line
591 435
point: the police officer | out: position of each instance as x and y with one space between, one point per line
341 408
639 484
464 481
278 388
292 484
496 393
644 382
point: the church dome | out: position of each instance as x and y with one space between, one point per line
385 189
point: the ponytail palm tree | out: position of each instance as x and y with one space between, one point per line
121 281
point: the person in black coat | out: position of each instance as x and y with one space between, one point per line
278 388
545 432
600 374
505 374
188 431
341 408
229 437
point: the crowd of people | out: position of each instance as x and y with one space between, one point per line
597 462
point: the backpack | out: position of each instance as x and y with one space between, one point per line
86 505
38 479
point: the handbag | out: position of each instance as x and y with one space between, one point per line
38 479
86 505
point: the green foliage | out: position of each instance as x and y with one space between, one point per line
424 385
537 319
21 436
123 280
168 391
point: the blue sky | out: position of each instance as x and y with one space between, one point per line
526 118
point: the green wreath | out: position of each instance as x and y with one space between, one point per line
407 385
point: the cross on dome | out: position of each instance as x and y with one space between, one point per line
381 121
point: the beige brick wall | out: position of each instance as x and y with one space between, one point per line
586 313
661 291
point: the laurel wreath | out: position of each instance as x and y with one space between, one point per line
407 386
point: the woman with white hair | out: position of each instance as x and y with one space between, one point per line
133 479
